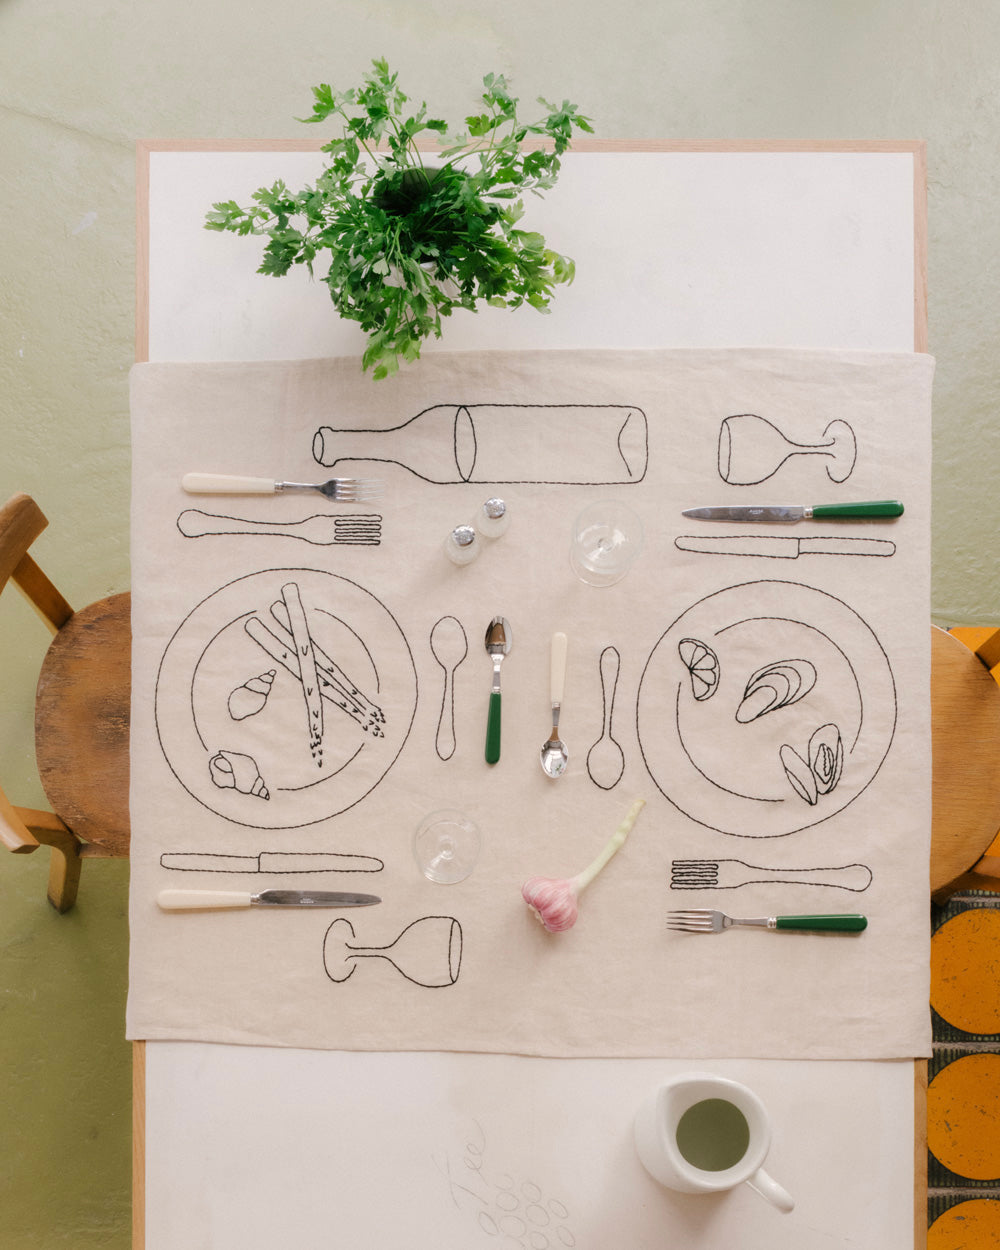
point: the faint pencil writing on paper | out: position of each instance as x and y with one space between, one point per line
514 1210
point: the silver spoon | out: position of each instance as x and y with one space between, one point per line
498 644
554 755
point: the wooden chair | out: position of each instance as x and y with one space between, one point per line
81 718
965 723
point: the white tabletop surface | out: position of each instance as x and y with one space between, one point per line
249 1147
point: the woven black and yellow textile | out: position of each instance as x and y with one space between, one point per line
963 1095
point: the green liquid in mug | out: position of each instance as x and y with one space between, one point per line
713 1135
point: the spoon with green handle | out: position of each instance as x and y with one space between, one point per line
498 644
699 920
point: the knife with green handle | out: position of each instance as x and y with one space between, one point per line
879 509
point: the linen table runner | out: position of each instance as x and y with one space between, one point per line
310 681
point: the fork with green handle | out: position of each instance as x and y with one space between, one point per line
703 920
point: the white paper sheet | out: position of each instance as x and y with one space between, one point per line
454 1152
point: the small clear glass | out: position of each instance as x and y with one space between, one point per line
606 539
446 846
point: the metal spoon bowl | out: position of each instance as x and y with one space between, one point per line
554 755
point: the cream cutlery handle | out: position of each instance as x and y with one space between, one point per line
557 667
200 900
226 484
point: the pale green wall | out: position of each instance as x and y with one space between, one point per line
80 82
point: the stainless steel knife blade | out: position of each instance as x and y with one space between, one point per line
748 512
312 898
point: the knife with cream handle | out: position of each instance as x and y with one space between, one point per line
218 900
882 509
783 547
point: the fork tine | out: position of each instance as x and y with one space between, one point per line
691 920
356 490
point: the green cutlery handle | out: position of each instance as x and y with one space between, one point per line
877 508
836 924
493 728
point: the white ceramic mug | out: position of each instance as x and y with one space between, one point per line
704 1134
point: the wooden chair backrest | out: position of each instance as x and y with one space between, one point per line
21 521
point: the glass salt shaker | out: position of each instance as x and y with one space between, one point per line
461 546
492 518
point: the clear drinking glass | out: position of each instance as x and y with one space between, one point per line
607 537
446 846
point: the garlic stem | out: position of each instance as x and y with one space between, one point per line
614 844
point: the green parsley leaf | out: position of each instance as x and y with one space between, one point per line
411 236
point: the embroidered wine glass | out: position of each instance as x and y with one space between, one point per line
752 449
428 952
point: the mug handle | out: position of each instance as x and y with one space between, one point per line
769 1188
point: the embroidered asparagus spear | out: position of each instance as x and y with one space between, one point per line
306 658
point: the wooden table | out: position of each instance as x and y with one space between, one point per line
783 244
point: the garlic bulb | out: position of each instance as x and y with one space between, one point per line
553 900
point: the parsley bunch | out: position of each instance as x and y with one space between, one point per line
411 241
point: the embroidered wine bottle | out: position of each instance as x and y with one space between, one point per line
558 444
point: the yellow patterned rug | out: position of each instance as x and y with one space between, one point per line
963 1096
